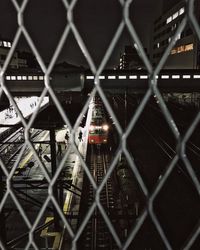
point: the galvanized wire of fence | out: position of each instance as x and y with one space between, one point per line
152 90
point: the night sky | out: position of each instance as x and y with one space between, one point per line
96 22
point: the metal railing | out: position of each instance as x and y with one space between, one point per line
153 89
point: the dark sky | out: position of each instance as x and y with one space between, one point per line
96 21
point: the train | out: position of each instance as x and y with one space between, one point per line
99 127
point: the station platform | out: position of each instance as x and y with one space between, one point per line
27 106
72 172
29 170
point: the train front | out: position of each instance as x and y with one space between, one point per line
99 128
98 134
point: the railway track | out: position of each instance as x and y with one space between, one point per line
96 234
168 146
176 204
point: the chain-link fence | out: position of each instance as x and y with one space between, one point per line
153 89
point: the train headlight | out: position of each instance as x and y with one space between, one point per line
91 128
105 127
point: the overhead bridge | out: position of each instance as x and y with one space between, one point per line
32 83
139 81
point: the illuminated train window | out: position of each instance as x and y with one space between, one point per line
41 78
196 76
143 77
175 76
111 77
165 77
133 77
186 76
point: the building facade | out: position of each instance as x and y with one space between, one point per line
129 59
16 61
186 52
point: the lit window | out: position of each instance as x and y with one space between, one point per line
181 49
178 37
196 76
173 51
111 77
9 44
7 77
13 77
41 78
189 47
169 39
35 77
175 15
169 19
135 45
5 44
19 77
30 78
173 27
89 77
181 11
165 76
158 45
186 76
133 77
122 77
101 77
175 76
143 77
24 78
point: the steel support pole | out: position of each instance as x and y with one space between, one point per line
53 171
61 194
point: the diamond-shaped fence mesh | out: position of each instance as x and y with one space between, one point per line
95 215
